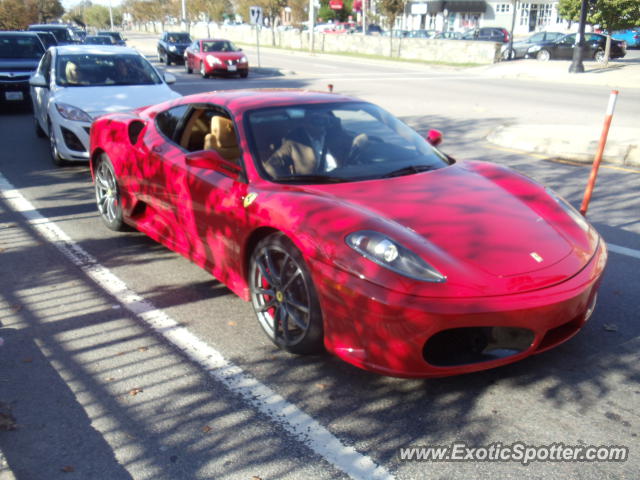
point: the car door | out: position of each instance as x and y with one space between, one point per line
40 95
209 196
563 48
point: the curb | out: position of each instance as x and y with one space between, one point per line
568 142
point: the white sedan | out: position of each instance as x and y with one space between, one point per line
74 85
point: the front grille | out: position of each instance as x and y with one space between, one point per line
232 62
72 142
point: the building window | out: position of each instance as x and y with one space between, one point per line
524 14
503 8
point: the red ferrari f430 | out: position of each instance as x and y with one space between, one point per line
349 232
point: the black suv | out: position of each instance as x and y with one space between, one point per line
118 39
171 47
64 34
20 53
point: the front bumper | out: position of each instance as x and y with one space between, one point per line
394 334
231 69
72 138
14 91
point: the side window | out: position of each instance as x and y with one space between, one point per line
538 37
167 122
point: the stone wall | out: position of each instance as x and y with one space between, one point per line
449 51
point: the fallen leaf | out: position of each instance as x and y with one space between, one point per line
610 327
321 386
2 249
68 469
110 379
143 349
232 323
134 391
206 429
255 477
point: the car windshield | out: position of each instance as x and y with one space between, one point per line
342 142
25 47
115 35
99 40
89 69
218 46
179 38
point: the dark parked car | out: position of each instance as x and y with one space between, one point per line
171 47
64 34
487 34
520 48
99 40
20 53
563 48
48 39
451 35
117 38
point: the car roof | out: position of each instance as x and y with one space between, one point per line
48 26
19 34
95 49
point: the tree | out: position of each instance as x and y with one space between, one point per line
610 15
19 14
392 9
215 11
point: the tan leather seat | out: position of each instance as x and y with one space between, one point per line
222 138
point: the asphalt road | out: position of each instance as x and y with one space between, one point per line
98 393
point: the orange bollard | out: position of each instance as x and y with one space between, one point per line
596 161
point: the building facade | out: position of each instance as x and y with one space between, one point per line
459 15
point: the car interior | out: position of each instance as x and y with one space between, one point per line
208 129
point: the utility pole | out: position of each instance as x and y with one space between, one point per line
184 15
312 22
576 65
110 16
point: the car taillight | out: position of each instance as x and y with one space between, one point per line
506 36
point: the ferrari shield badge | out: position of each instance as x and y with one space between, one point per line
248 200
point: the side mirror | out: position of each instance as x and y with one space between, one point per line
212 160
239 49
434 137
38 80
169 78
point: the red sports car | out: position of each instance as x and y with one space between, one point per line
350 232
215 56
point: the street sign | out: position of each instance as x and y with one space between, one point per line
255 15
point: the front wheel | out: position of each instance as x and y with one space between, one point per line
284 297
203 71
244 74
53 147
543 55
187 67
39 131
508 54
108 194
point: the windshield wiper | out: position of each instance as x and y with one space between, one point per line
311 179
409 170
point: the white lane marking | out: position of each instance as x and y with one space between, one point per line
629 252
296 422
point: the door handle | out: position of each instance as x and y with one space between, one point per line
157 149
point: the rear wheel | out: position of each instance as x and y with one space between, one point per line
284 297
187 67
543 55
508 54
108 194
599 56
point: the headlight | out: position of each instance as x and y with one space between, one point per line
243 60
172 48
572 212
382 250
534 48
211 60
72 113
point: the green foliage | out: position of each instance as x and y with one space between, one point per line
610 15
19 14
391 9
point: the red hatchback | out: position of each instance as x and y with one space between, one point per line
215 56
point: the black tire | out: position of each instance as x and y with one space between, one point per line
543 55
244 74
108 195
187 68
284 297
167 60
53 148
599 56
508 54
39 131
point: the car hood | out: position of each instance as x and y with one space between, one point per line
224 56
484 218
98 101
18 64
